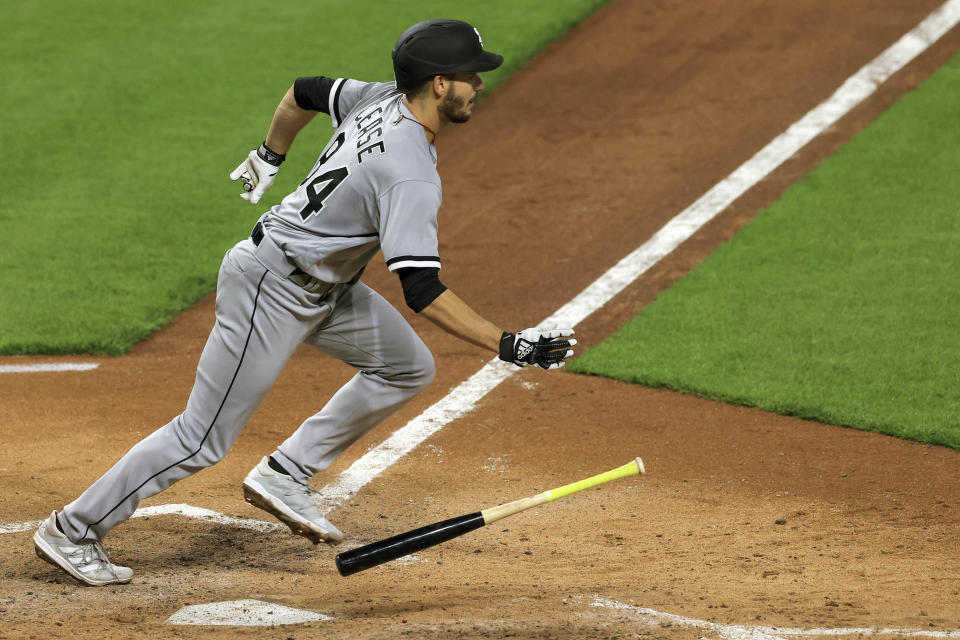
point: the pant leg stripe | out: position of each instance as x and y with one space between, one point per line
209 427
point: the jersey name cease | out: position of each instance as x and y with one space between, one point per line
371 131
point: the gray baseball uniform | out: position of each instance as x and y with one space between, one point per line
374 187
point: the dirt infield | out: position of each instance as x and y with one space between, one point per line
745 519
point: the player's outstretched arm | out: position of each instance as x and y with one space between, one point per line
547 349
259 169
454 316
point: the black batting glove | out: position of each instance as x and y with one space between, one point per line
544 349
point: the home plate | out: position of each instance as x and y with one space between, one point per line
243 613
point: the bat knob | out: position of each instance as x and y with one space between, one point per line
640 466
341 569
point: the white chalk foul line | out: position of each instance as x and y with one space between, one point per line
39 368
454 405
197 513
748 632
464 397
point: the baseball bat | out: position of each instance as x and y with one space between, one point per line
376 553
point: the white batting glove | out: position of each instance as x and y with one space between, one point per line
542 348
257 172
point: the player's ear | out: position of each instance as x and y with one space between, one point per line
440 86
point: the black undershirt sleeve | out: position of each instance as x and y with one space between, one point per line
421 286
313 93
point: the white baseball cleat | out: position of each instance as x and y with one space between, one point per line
290 502
86 562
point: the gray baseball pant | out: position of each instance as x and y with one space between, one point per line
261 318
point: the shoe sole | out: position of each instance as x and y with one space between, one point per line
253 493
45 553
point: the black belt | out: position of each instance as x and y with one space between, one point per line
299 276
257 237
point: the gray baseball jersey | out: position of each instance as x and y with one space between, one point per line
375 186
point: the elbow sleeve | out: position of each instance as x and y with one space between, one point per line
313 93
421 286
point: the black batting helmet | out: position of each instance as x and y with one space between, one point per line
437 47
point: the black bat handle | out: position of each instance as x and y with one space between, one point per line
350 562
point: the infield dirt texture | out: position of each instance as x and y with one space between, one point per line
744 518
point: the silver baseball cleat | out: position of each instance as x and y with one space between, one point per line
289 501
85 562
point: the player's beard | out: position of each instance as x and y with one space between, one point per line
454 107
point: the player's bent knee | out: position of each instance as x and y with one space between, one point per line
425 368
209 455
202 449
417 372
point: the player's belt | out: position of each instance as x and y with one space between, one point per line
273 258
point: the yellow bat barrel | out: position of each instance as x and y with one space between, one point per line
632 468
493 514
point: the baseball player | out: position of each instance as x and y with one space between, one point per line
296 279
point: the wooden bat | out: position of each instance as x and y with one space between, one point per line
375 553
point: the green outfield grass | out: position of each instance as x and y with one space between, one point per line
121 121
840 302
